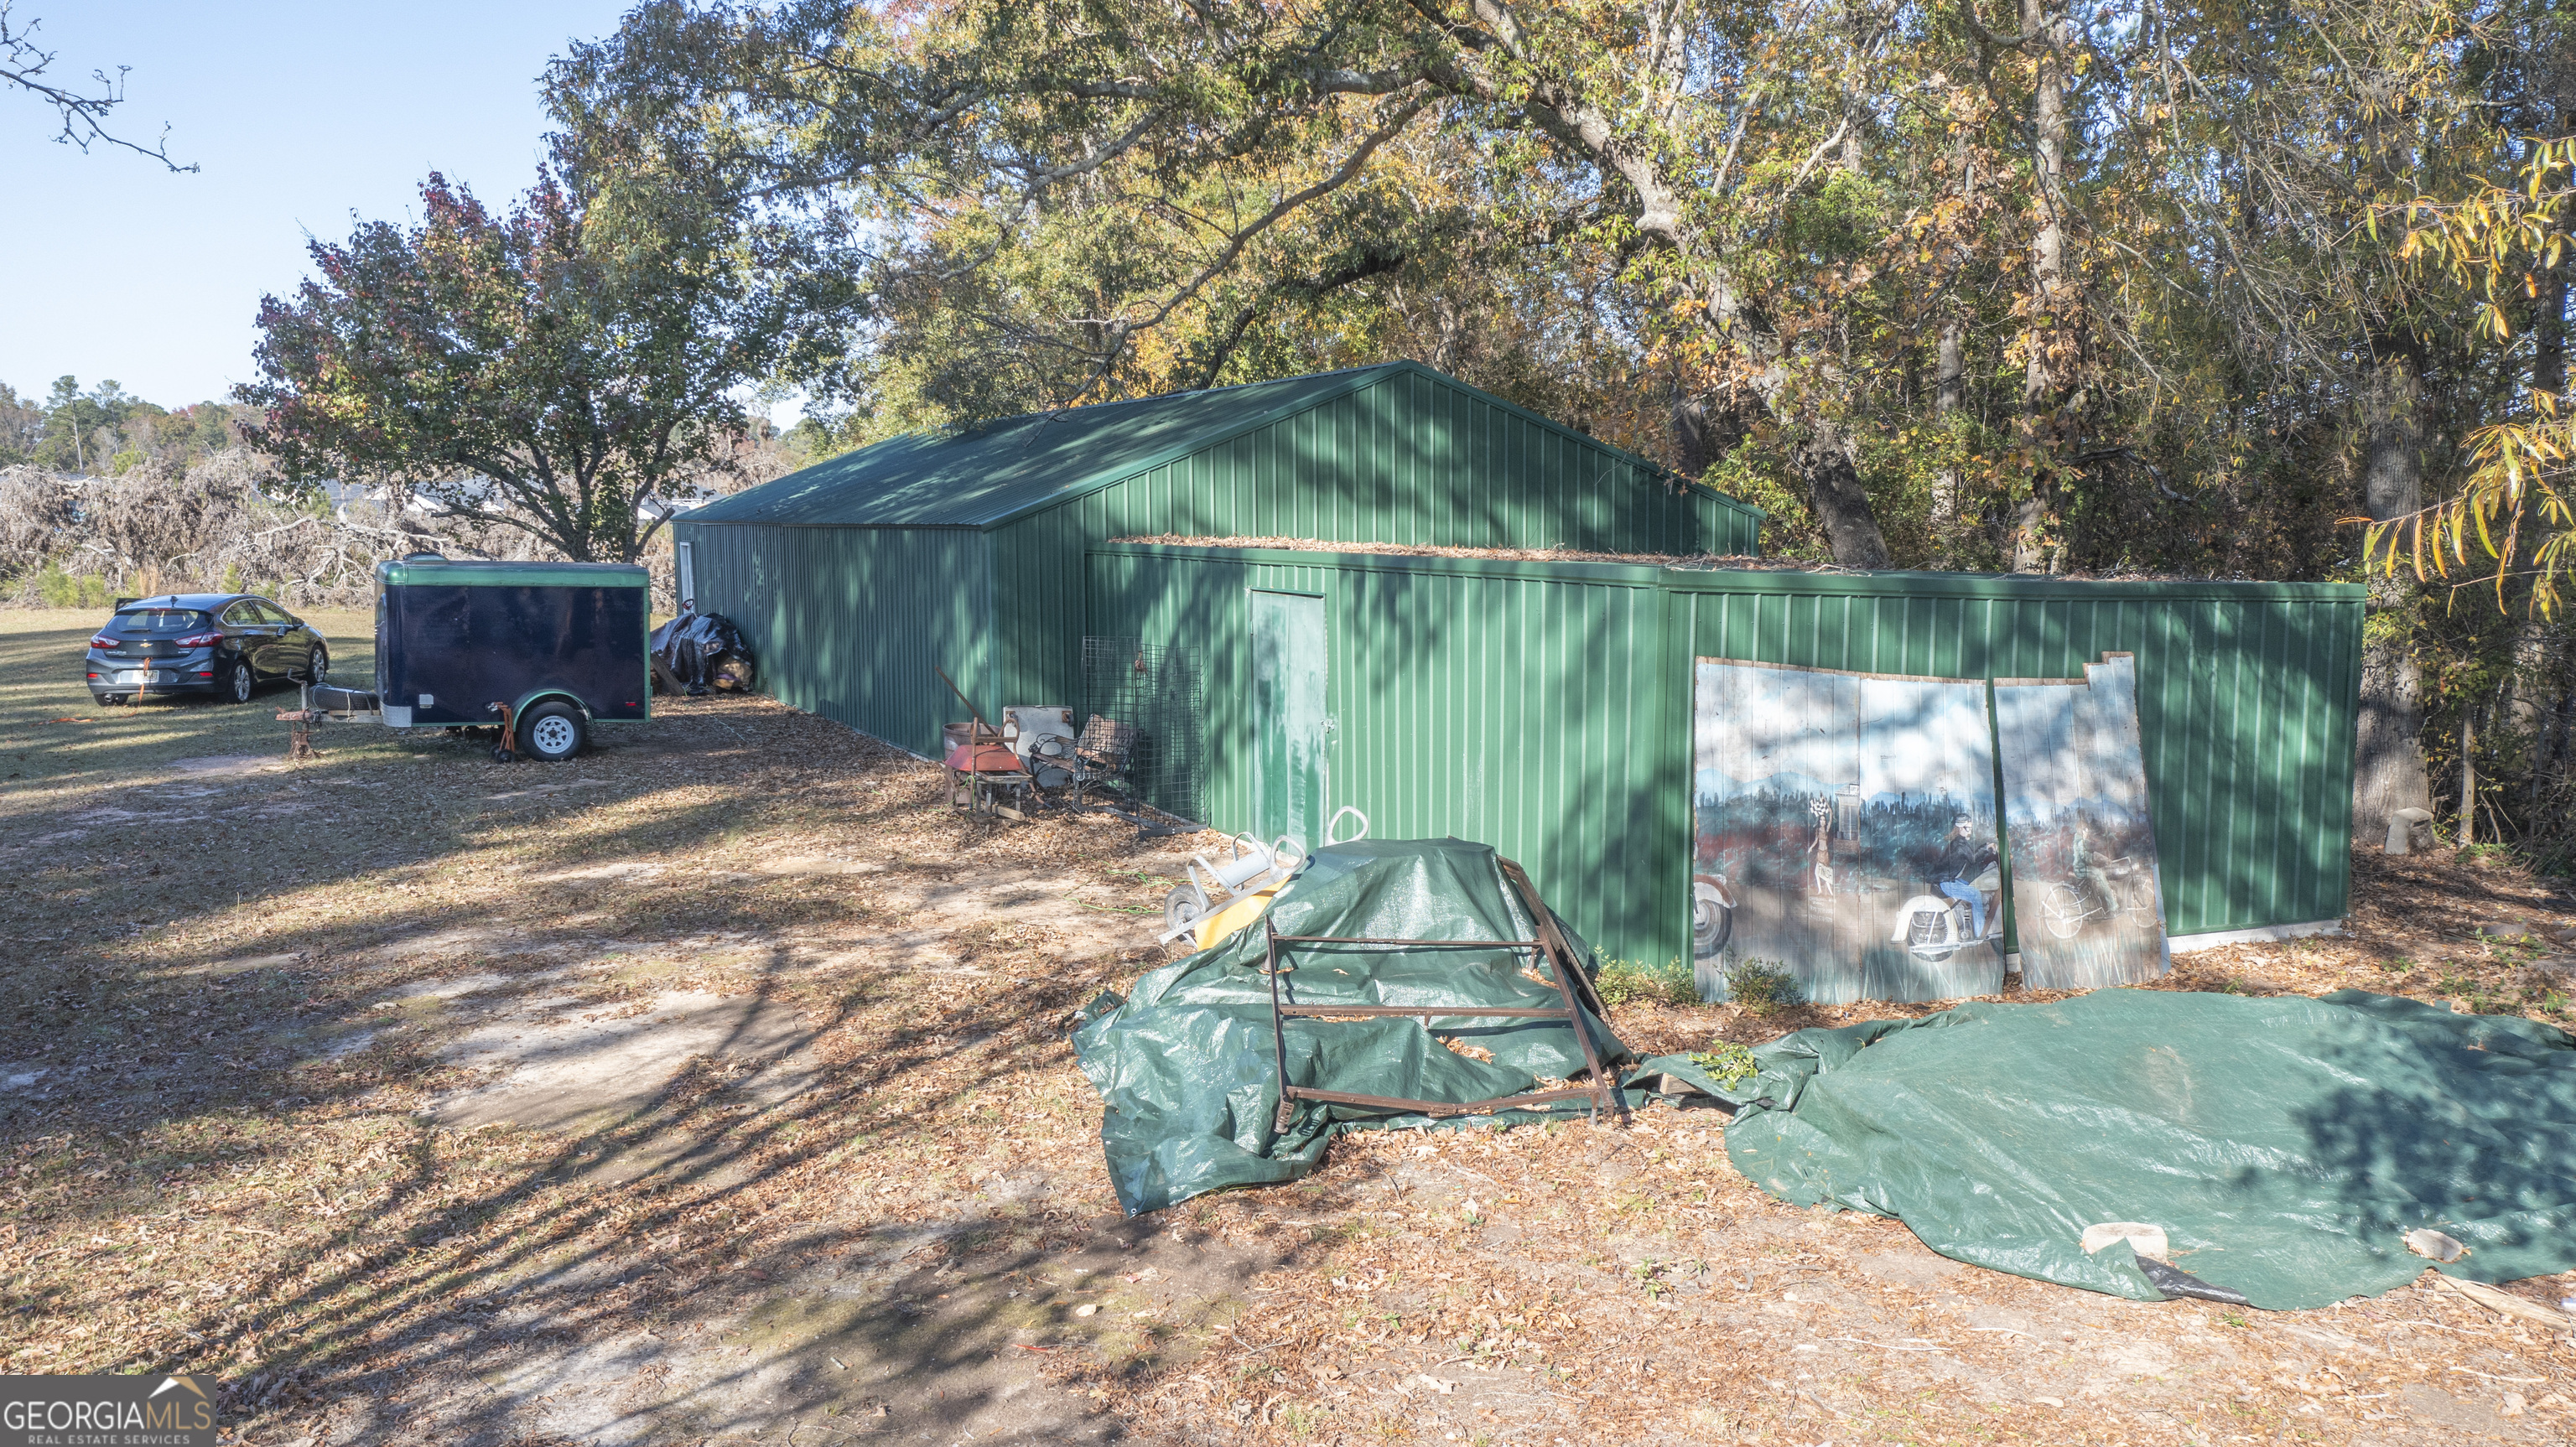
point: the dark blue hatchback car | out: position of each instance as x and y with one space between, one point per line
225 644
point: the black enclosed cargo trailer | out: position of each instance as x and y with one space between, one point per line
547 649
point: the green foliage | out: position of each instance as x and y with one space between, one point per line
59 589
1625 982
1649 1280
2143 290
1727 1063
1763 987
107 430
551 368
2491 248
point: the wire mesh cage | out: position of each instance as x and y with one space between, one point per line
1142 706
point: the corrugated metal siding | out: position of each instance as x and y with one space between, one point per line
1410 459
1479 706
1545 708
849 622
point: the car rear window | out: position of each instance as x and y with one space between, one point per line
158 620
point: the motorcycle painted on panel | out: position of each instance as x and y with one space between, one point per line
2118 889
1964 906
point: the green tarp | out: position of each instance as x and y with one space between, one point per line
2285 1145
1185 1064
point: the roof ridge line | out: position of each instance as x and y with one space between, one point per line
1052 413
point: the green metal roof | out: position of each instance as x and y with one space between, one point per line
488 573
996 471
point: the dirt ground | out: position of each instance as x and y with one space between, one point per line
713 1088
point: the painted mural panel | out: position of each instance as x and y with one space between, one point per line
2087 908
1844 829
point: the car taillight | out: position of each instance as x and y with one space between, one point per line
200 640
103 641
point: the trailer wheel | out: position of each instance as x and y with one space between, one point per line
552 731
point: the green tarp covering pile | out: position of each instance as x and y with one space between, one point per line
1185 1067
2285 1145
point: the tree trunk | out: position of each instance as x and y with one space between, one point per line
2546 800
1834 489
2536 651
2535 660
2389 770
1707 428
1949 394
2042 389
2549 320
1821 457
1691 455
2468 774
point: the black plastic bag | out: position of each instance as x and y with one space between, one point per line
694 653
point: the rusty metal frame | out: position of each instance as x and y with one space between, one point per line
1548 948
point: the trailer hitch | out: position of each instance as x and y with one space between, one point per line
501 752
299 722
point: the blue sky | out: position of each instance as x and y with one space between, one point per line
299 114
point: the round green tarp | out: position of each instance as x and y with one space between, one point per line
2285 1145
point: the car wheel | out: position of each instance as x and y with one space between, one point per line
552 732
316 664
238 683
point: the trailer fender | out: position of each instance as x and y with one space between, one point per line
532 699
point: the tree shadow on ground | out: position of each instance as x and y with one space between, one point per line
406 1278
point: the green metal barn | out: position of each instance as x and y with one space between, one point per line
1544 707
1540 705
855 578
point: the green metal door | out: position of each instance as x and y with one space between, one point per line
1288 720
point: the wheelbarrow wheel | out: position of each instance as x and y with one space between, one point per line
1183 907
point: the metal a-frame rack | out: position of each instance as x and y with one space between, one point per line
1548 949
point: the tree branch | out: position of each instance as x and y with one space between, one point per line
1121 330
1373 264
1987 38
84 116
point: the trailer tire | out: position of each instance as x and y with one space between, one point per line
552 731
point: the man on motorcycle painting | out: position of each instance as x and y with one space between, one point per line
2086 866
1963 858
